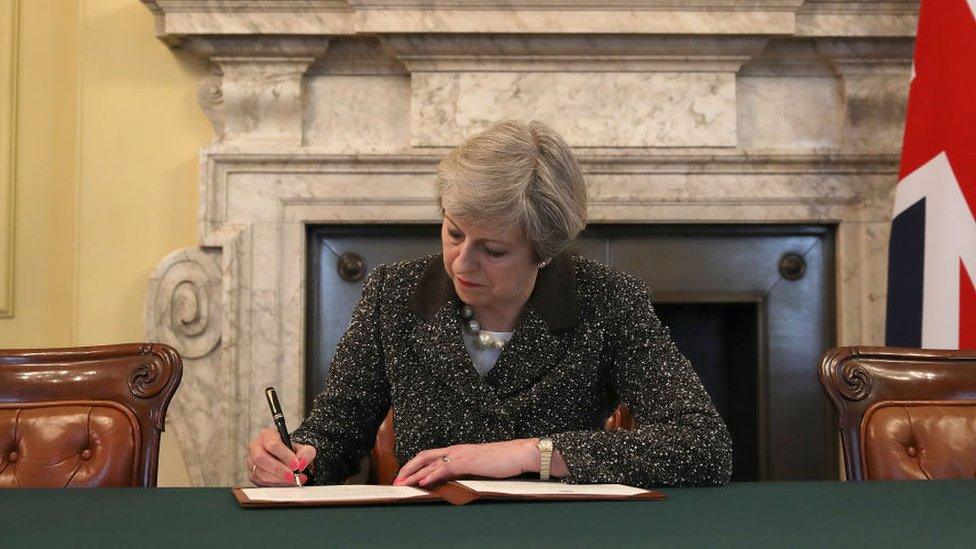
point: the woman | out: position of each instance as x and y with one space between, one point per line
504 355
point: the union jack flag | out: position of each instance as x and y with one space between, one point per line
932 256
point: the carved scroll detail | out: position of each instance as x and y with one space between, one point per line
183 308
142 381
852 381
150 377
211 99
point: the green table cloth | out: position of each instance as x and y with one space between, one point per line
788 514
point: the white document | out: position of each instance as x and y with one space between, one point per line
342 492
543 488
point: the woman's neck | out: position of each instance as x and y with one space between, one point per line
496 321
499 319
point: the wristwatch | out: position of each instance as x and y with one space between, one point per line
545 454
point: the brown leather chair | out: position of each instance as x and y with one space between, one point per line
384 466
904 413
86 416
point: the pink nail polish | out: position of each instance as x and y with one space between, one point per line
301 464
290 477
294 464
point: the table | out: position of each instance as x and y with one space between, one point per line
788 514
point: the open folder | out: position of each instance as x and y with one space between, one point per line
457 492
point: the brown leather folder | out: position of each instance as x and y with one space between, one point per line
450 492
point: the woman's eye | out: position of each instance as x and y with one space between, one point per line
494 253
454 234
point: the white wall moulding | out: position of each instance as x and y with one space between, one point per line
710 111
322 188
9 38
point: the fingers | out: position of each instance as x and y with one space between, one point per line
423 473
306 455
269 454
273 445
446 471
420 461
274 468
261 477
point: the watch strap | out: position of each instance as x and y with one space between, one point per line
545 457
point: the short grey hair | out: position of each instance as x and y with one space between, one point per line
520 173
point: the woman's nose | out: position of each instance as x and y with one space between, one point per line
465 261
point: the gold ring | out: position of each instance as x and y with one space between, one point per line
254 470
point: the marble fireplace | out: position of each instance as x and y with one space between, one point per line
336 112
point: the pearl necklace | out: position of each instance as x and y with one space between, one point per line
484 340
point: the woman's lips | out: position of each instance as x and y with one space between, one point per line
466 284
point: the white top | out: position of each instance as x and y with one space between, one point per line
484 359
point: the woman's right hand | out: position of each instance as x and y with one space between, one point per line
270 462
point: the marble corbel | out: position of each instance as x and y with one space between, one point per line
255 94
876 75
184 310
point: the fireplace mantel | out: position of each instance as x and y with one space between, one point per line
325 111
180 18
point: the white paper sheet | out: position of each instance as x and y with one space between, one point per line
542 488
344 492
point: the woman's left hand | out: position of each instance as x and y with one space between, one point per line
493 460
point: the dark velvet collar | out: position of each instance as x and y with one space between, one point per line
553 298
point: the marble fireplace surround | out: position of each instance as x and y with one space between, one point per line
325 111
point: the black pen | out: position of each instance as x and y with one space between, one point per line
279 421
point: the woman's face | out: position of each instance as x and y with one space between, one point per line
491 266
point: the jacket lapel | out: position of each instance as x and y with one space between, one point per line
440 346
531 352
536 343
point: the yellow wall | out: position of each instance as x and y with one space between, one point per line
108 137
43 184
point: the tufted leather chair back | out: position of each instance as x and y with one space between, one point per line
86 416
384 466
904 413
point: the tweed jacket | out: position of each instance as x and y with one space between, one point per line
586 340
